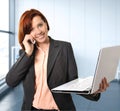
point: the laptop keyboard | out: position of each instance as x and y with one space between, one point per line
82 84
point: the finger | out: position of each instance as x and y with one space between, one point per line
100 87
32 38
28 39
107 84
32 34
103 84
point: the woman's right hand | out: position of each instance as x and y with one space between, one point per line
29 47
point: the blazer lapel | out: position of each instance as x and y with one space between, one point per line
53 52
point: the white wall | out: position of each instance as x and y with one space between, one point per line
88 24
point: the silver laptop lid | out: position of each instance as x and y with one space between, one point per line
107 65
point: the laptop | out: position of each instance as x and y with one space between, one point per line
107 66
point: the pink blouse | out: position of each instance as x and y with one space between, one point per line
43 98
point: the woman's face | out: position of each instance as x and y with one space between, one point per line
39 30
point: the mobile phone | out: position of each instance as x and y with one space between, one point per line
31 41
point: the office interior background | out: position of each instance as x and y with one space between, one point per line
88 24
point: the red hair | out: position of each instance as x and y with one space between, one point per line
25 24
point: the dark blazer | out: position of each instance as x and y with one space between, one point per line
61 68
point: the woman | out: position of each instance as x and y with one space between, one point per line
44 63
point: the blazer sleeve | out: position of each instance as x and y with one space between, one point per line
93 97
19 70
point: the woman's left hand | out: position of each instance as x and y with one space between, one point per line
103 86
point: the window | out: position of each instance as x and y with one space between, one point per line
4 37
4 53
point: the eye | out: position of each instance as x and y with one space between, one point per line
40 25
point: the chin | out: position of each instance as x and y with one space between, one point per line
41 41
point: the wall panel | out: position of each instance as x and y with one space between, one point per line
88 24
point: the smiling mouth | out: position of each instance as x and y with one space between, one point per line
40 36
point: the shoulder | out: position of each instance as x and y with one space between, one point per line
61 43
64 43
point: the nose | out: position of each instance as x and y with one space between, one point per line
37 30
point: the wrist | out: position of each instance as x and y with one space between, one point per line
29 53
